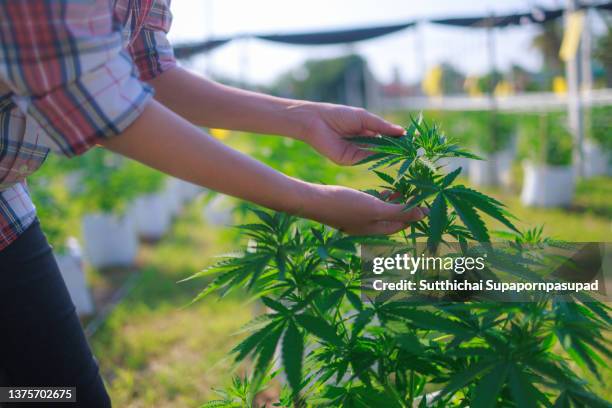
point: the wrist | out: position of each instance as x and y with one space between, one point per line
302 115
304 198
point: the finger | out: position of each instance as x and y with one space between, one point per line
366 132
394 196
395 212
377 124
389 195
369 133
386 227
356 154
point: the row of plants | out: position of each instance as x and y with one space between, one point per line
331 347
97 208
99 182
544 137
543 144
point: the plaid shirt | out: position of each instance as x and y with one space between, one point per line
71 74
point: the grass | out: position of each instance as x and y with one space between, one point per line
157 350
589 219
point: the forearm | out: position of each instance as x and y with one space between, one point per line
165 141
207 103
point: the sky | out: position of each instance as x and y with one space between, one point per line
410 52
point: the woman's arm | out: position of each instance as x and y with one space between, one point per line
207 103
324 126
167 142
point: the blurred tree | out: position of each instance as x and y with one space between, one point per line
336 80
485 81
525 80
548 43
452 79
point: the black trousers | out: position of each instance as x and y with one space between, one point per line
41 340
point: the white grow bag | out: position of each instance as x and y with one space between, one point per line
109 240
218 211
189 191
174 196
493 171
596 160
151 216
73 273
450 164
547 186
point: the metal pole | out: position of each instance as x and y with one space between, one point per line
574 102
492 54
587 74
586 49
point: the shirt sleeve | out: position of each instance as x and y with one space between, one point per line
150 49
64 61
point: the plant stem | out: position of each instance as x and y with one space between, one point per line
411 388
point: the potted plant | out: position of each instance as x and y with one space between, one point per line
178 192
190 191
149 209
109 234
598 146
492 138
219 210
548 176
58 216
340 349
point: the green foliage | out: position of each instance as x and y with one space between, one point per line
452 79
601 127
145 180
110 182
548 43
325 80
603 52
490 132
240 394
293 157
54 205
340 351
545 139
484 131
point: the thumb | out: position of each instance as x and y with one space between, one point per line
379 125
387 227
396 212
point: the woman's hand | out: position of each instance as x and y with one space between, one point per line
198 158
324 127
356 212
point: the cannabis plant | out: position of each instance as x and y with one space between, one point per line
334 348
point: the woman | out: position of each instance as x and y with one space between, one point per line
74 74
